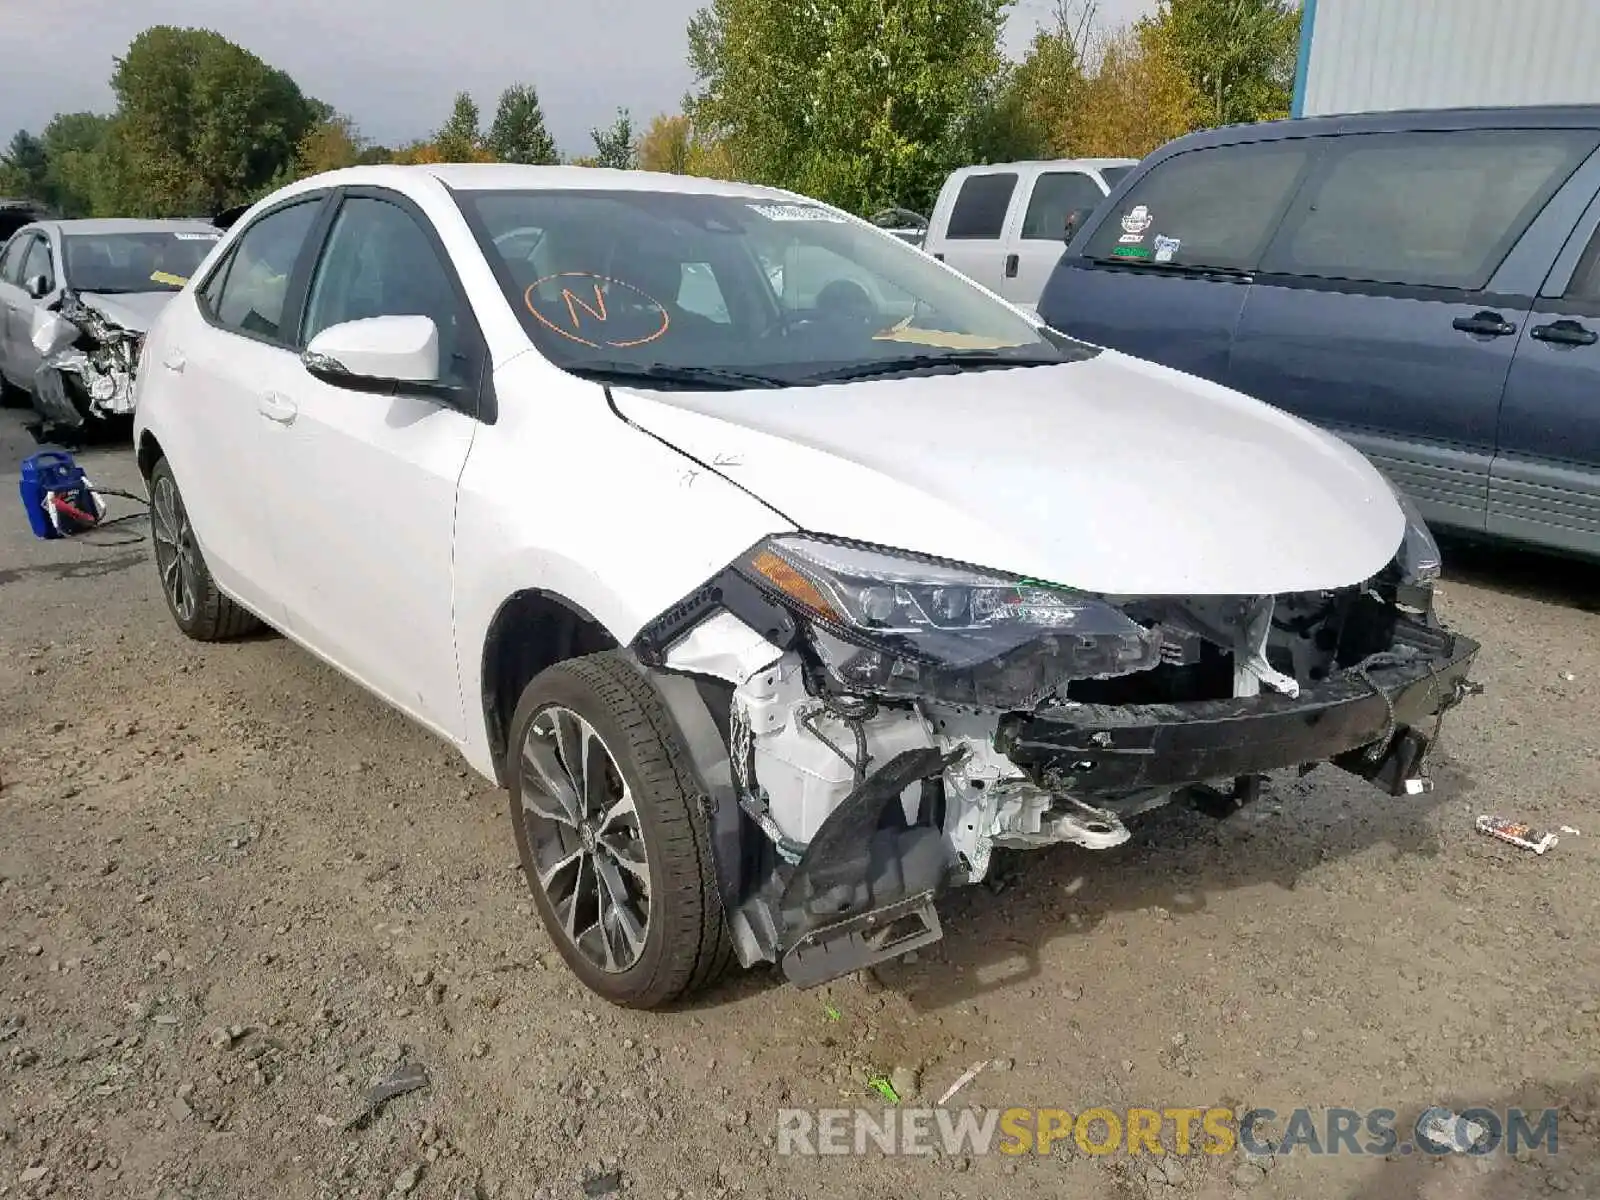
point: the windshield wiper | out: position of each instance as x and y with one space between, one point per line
715 377
947 362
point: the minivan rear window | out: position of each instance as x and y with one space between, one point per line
981 206
1423 209
1216 207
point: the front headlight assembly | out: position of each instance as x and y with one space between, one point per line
885 623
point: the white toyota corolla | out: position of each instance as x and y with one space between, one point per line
778 571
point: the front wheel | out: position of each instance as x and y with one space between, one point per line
612 838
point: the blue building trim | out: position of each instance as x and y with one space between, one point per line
1308 18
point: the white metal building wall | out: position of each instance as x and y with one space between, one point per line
1380 55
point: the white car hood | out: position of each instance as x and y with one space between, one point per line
1111 475
134 311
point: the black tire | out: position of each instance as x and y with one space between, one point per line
193 598
685 941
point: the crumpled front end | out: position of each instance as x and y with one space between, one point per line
890 721
90 377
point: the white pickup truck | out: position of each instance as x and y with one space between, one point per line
1004 225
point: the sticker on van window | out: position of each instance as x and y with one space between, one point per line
796 212
198 237
1131 252
1136 220
168 278
1166 247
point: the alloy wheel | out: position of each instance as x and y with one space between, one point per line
177 556
587 845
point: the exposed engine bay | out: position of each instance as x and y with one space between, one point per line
88 368
888 723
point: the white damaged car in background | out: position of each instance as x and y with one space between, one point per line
75 300
779 600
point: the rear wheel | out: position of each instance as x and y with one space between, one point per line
193 598
613 841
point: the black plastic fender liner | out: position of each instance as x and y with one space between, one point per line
708 754
852 866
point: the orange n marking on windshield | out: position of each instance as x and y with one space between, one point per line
598 312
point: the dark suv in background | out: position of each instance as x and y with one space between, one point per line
1425 284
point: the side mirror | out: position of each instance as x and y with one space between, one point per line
377 354
1075 218
37 286
51 333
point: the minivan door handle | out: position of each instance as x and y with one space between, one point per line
1565 333
1011 266
1485 324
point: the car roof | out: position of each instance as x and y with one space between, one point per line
109 225
1093 164
512 177
1420 120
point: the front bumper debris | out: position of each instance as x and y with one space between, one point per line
1368 720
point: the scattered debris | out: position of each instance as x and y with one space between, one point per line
406 1182
407 1077
1447 1130
965 1078
831 1012
906 1081
1569 829
884 1088
1516 833
609 1184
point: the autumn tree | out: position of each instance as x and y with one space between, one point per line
1238 54
1048 84
201 123
329 146
665 145
614 145
1138 98
518 134
855 101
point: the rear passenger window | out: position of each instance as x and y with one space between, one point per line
1208 208
1585 284
1054 196
981 205
256 285
1439 210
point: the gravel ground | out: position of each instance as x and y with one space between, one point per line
234 890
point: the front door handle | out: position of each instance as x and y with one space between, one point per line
1011 266
1485 324
275 406
1565 333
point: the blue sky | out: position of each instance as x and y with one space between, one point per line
395 65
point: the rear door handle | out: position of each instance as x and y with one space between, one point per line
1011 266
174 361
275 406
1565 333
1485 324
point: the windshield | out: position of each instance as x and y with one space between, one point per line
687 285
147 261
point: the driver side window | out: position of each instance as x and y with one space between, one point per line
379 263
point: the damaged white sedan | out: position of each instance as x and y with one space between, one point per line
75 300
778 571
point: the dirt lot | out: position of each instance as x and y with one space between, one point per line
234 891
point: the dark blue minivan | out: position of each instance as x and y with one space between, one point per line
1424 284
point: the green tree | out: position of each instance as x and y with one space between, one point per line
461 140
858 102
1238 54
518 134
614 145
74 144
329 146
201 123
25 169
1048 84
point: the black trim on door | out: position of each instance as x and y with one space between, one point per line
1396 291
485 404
